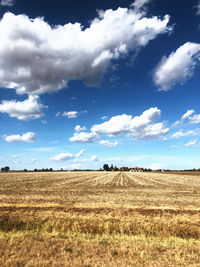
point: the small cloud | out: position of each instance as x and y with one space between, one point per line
80 153
27 137
195 119
192 143
78 128
94 158
184 117
44 121
24 110
70 114
7 3
108 143
62 157
84 137
104 118
58 114
182 134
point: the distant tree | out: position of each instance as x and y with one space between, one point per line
51 170
25 170
111 167
106 167
116 169
5 169
35 170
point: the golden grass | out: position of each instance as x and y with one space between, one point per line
99 219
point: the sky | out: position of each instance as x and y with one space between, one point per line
88 83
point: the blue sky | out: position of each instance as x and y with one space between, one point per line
86 83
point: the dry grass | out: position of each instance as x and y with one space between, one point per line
99 219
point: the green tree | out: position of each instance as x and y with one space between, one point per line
106 167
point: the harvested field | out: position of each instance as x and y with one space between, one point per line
99 219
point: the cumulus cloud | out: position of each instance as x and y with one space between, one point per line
78 128
139 127
191 143
67 156
7 3
108 143
178 67
84 137
27 137
36 58
70 114
24 110
183 134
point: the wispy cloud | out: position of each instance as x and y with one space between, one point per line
7 3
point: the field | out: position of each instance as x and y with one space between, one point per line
99 219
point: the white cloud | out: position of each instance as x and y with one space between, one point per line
84 137
78 128
138 4
80 153
178 67
198 8
187 114
36 58
191 143
25 110
94 158
108 143
195 119
7 3
184 117
62 157
139 128
104 117
70 114
182 134
67 156
27 137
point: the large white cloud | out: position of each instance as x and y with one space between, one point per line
36 58
178 67
27 137
138 127
141 127
28 109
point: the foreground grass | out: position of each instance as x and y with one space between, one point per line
58 220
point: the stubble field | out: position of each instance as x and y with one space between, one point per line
99 219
